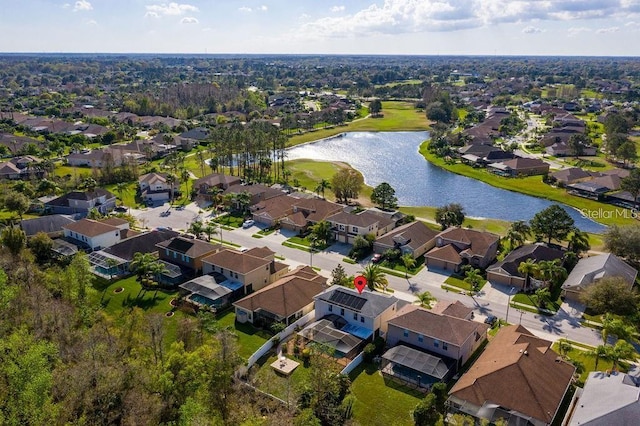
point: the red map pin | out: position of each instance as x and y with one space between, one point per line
360 282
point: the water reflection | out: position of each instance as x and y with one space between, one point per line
393 157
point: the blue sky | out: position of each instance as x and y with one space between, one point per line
430 27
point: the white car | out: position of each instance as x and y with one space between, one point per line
248 224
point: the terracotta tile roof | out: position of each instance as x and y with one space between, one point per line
284 297
235 261
442 327
90 228
519 372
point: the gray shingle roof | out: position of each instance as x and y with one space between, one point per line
593 268
371 305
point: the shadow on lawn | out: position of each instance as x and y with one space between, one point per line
370 369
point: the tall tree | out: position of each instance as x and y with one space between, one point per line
450 215
408 262
528 268
473 278
426 299
518 233
347 184
375 106
627 152
322 186
631 184
579 242
16 202
322 232
384 196
622 350
552 223
610 294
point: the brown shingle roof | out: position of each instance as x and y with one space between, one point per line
417 232
455 309
317 209
519 372
447 253
191 247
442 327
235 261
479 241
90 227
114 221
284 297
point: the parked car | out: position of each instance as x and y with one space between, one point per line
377 258
248 224
120 209
490 319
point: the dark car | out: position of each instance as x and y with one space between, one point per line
490 319
377 258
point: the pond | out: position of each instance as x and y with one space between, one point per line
393 157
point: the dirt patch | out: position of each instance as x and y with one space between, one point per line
118 290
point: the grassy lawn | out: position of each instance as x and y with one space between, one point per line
532 300
396 116
399 267
231 220
532 185
588 362
118 305
458 281
380 403
309 173
287 388
249 338
490 225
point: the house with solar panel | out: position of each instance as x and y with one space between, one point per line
346 320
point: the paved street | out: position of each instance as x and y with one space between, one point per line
492 300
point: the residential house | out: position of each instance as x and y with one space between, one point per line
456 247
606 399
273 211
81 202
444 336
8 170
596 187
346 320
257 192
204 186
254 269
187 253
215 291
115 260
591 269
506 271
154 187
481 155
414 238
347 226
519 167
489 130
562 149
284 300
113 155
518 378
94 234
309 211
571 175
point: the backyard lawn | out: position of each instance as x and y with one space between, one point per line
286 388
249 338
380 403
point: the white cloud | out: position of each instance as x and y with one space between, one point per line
66 6
170 9
247 9
189 20
91 22
151 15
607 30
82 5
532 30
412 16
575 31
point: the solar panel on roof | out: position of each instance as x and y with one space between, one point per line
347 300
180 245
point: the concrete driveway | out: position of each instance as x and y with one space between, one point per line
177 217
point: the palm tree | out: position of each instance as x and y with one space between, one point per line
579 242
621 350
543 294
599 352
409 262
120 188
564 346
528 268
185 175
143 264
211 228
171 180
375 277
324 184
322 232
426 298
196 228
612 326
473 278
518 233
